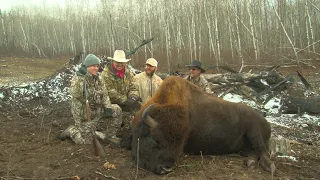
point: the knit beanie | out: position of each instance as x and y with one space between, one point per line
90 60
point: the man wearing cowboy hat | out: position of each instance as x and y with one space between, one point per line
118 80
196 78
148 82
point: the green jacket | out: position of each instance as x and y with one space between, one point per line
96 93
119 89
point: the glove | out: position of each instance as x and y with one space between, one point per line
136 98
132 103
107 112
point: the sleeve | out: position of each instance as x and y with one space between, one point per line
206 86
77 100
105 96
76 88
136 80
114 96
133 89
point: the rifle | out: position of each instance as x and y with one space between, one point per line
144 42
128 53
98 149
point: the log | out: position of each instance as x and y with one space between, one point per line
243 77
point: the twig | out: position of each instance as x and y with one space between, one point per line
50 129
14 177
201 157
137 167
41 125
111 177
285 163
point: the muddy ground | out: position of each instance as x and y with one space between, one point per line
29 149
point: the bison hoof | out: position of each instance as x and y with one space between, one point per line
165 170
250 163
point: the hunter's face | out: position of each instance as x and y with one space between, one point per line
119 65
93 69
149 69
194 72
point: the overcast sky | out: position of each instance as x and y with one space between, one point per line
8 4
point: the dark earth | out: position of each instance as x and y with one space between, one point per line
30 149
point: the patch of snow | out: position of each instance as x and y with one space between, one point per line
237 99
274 116
56 89
273 106
264 82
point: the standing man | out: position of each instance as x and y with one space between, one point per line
196 78
87 87
118 80
148 82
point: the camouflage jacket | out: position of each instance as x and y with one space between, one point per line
119 89
97 96
147 85
201 82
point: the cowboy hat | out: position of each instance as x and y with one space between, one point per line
119 56
196 64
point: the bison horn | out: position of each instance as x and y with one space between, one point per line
147 119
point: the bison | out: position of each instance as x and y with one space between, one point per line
180 117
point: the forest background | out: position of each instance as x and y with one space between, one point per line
238 33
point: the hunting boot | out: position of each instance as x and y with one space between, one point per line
111 135
77 134
65 134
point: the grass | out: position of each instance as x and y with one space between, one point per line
20 70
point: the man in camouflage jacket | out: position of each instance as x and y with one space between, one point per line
196 78
86 85
148 82
118 80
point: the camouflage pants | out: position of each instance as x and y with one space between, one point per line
83 133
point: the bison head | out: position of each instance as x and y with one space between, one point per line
159 135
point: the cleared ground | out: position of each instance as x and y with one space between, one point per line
29 148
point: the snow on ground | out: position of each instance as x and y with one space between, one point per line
57 90
274 116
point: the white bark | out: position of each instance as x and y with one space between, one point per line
217 35
310 26
253 33
284 30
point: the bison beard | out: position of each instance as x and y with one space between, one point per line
182 118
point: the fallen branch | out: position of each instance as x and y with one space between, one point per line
304 81
278 84
111 177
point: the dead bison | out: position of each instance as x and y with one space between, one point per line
181 118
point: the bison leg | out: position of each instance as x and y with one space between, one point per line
258 143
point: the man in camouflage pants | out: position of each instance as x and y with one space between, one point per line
118 80
87 85
196 78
